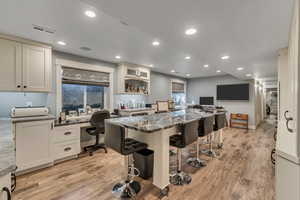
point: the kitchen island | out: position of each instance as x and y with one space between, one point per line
155 130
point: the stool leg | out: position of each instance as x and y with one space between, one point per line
180 178
196 162
210 152
129 188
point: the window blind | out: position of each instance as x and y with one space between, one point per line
84 77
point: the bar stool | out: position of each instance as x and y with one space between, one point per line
205 127
116 139
208 130
188 135
220 121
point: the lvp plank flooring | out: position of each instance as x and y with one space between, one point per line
242 171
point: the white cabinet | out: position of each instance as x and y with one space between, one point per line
5 186
65 142
24 67
33 144
10 65
133 79
36 68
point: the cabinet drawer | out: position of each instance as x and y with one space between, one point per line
66 133
66 149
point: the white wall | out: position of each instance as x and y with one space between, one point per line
207 87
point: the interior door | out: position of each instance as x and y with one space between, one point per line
10 65
36 68
288 139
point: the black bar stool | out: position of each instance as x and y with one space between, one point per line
208 130
97 122
188 135
220 121
204 129
116 139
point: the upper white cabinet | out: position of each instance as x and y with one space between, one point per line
24 67
10 65
36 68
133 79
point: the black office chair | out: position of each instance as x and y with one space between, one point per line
207 129
188 135
204 129
220 122
115 138
97 122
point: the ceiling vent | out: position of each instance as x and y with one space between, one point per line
43 29
85 48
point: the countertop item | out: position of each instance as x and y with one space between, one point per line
155 122
7 147
136 109
77 121
30 119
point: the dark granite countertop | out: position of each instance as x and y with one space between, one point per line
155 122
7 147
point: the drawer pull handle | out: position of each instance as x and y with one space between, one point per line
67 149
68 133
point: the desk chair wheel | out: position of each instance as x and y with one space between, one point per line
196 163
164 192
127 190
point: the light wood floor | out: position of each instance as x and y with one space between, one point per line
243 171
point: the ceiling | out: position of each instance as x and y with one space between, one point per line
250 32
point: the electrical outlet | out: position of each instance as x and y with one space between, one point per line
29 104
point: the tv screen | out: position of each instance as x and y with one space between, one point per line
233 92
206 100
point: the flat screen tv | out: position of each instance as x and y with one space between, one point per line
206 101
233 92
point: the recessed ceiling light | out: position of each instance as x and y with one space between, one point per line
218 71
155 43
240 68
187 57
225 57
191 31
206 66
248 75
61 43
173 71
188 74
118 57
90 13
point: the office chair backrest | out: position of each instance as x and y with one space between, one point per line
206 126
190 132
97 119
115 138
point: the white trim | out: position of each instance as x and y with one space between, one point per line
78 65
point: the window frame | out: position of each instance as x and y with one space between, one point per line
108 91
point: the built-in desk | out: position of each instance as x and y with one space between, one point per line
66 139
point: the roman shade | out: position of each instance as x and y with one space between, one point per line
84 77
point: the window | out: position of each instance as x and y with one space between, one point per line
75 96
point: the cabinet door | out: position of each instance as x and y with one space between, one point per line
5 186
36 69
10 66
33 144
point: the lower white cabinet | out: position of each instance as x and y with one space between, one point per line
5 187
33 144
65 142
